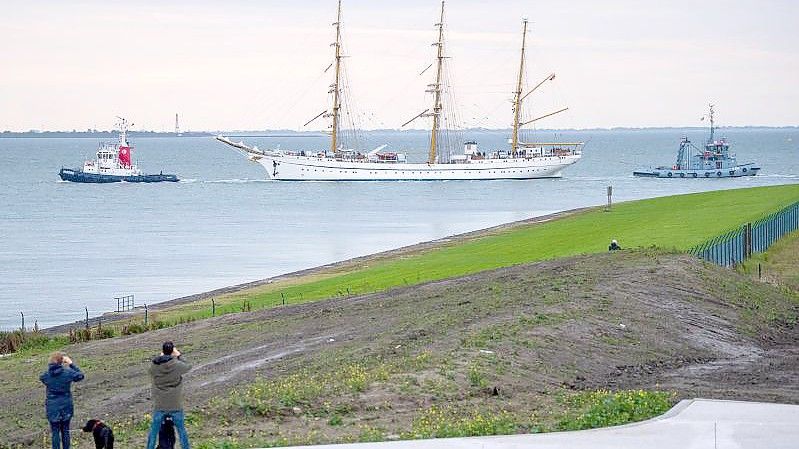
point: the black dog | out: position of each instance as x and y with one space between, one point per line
103 435
166 436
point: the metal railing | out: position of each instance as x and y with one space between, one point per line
738 245
125 303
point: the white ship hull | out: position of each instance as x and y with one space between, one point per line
308 168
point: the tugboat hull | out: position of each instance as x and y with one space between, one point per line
729 172
71 175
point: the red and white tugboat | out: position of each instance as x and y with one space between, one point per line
113 164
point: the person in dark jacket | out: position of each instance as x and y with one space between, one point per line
614 246
58 378
167 372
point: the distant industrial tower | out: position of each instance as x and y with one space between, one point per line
177 126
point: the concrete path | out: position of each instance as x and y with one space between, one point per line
691 424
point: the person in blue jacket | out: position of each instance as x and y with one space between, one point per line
58 378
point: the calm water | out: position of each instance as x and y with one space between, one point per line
67 246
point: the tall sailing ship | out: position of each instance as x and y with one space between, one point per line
523 160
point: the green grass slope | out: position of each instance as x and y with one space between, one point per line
675 222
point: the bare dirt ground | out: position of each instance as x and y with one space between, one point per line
509 340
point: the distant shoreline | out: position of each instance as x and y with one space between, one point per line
283 133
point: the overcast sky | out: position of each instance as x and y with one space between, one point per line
243 64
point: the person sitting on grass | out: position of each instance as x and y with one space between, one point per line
58 378
167 372
614 246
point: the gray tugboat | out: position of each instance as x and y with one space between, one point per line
715 161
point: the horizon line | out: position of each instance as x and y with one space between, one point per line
399 130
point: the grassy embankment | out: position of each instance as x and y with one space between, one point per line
673 223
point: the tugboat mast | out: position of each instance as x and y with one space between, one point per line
123 131
436 89
712 125
335 86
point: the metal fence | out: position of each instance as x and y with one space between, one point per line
738 245
125 303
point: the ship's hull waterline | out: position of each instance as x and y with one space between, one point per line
76 175
727 172
304 168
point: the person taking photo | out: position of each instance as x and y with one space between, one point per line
167 372
61 372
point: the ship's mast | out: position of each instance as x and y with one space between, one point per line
712 125
123 132
335 87
436 89
517 97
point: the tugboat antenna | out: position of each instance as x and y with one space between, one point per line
712 124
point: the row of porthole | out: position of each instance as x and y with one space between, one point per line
413 173
707 174
479 161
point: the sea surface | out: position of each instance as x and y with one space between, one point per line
66 248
